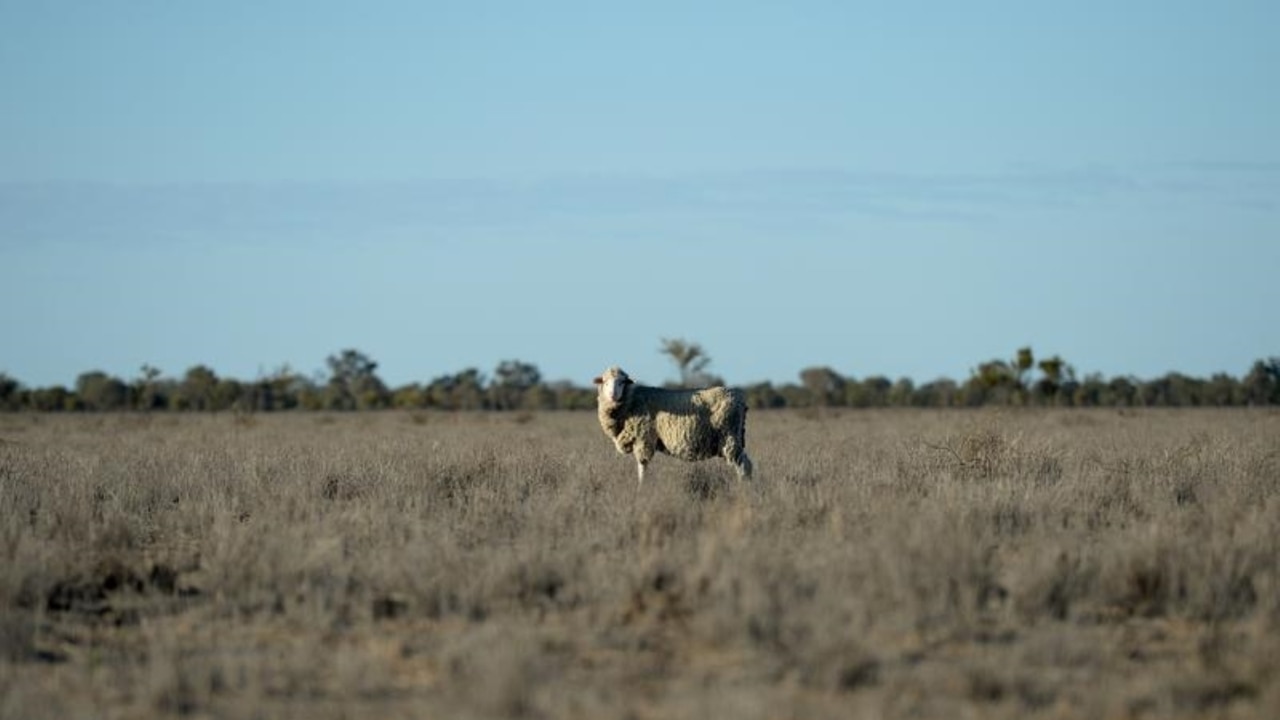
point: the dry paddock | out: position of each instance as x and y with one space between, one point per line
913 564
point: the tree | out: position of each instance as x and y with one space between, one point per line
939 393
691 361
227 395
9 392
1057 381
1262 385
196 390
996 374
571 397
511 380
353 384
763 395
1003 382
409 397
460 391
901 392
52 399
310 393
1121 392
991 381
1050 377
148 390
794 396
1023 361
1222 390
825 386
1090 391
538 397
100 391
873 391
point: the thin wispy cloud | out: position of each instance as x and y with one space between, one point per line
90 212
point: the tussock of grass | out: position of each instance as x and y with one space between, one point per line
891 564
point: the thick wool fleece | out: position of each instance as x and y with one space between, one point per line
687 424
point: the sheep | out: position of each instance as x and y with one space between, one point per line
687 424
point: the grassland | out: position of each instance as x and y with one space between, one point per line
882 564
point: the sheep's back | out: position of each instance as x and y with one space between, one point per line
690 424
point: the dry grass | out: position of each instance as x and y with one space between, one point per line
883 564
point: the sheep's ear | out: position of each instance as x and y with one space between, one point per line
598 380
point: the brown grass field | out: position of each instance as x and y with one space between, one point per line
914 564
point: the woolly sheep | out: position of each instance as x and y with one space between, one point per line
687 424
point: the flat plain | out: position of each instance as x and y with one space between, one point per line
913 564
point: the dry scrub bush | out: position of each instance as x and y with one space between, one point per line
887 563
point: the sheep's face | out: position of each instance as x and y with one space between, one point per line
611 384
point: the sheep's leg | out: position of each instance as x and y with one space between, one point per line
736 454
643 454
741 465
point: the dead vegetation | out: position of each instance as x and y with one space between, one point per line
888 564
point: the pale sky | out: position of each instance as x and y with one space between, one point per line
904 189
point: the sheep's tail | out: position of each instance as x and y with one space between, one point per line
742 428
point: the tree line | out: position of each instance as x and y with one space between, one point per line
352 383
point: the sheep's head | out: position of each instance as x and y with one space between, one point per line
612 384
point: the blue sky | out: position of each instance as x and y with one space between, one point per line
903 189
